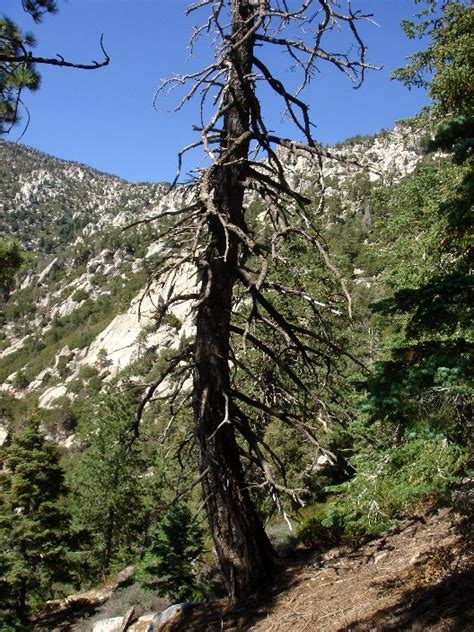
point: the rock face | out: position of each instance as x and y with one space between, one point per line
121 339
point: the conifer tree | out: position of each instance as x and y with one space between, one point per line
238 263
34 524
177 544
106 484
434 359
11 261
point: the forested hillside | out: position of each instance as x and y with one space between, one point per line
347 387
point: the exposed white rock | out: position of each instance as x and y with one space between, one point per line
106 256
171 614
143 623
51 266
14 346
51 394
108 625
68 442
3 433
154 249
122 338
27 280
40 380
65 353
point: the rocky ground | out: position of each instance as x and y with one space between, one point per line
418 577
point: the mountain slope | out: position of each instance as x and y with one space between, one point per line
78 317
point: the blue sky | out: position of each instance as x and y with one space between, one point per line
105 118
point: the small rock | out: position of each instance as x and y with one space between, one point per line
379 557
107 256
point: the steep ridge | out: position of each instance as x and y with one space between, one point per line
80 314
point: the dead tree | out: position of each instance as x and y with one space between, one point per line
238 261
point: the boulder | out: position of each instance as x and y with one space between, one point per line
143 624
50 395
65 353
107 256
166 620
108 625
93 266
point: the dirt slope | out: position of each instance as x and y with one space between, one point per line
418 578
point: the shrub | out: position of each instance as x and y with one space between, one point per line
314 530
79 296
393 482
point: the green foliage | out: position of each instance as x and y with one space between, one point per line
79 296
427 378
169 566
12 259
62 418
17 75
313 529
37 8
445 66
34 525
76 330
14 76
392 480
87 384
106 483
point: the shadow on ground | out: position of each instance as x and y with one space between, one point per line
447 606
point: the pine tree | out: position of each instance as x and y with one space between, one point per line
106 483
34 525
14 77
433 360
11 261
177 544
235 257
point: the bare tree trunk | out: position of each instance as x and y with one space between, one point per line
246 556
21 606
109 537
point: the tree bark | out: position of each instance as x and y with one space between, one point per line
21 607
109 537
246 556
